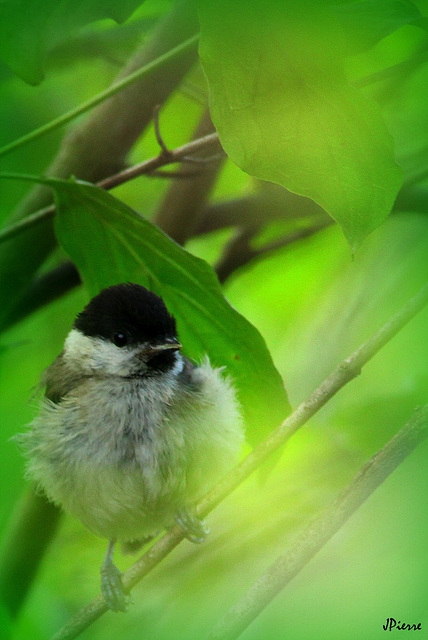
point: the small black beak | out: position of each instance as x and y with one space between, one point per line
168 343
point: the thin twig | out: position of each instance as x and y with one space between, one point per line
187 45
165 150
299 234
174 155
313 537
182 206
344 372
257 209
126 175
156 125
98 145
239 251
261 208
208 160
174 175
391 72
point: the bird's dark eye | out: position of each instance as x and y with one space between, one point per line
120 339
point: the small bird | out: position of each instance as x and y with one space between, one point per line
131 433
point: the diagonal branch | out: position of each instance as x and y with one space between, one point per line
181 209
97 147
61 279
344 373
187 45
260 208
17 570
308 542
143 168
239 251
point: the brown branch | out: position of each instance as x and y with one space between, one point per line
183 204
156 126
53 284
143 168
239 251
173 175
97 147
21 555
280 204
313 537
273 203
200 144
187 201
344 372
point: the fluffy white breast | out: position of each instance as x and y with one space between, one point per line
124 454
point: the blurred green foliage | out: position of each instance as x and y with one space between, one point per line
29 31
313 303
289 116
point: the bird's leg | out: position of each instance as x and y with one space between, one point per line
132 546
195 530
111 582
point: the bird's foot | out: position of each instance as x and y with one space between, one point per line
195 530
112 587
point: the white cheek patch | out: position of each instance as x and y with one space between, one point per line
79 349
96 355
178 366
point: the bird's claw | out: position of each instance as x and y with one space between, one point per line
194 529
112 588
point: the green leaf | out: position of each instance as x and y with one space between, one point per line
110 243
285 112
109 42
367 22
30 28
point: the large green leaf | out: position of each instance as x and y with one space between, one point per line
30 28
368 21
285 112
110 243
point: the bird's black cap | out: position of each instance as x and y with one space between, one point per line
128 308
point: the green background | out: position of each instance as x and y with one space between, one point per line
314 303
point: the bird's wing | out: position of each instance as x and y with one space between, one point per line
58 380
